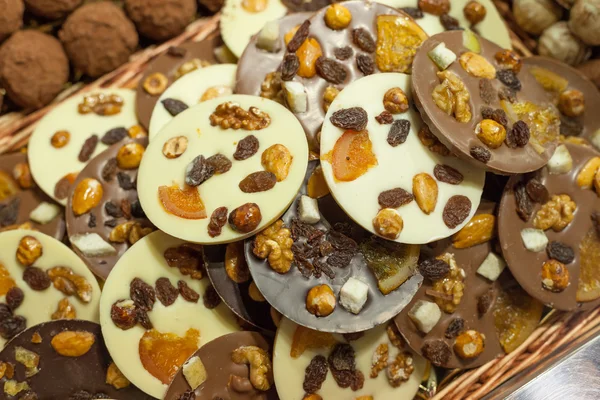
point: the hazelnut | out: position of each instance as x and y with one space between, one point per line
533 16
474 12
60 139
584 21
388 223
558 42
571 103
22 175
508 59
555 276
130 155
469 344
320 301
29 250
254 6
337 16
136 131
491 133
395 101
155 83
175 146
435 7
245 218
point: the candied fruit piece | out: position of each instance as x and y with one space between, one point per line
306 338
162 354
6 281
549 80
317 187
398 39
8 186
308 53
588 288
543 121
185 203
352 155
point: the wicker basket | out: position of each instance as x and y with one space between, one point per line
555 331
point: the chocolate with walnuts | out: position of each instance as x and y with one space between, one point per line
325 255
472 104
466 300
43 350
568 242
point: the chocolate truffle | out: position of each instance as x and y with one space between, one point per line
161 19
98 38
11 17
212 5
33 68
52 9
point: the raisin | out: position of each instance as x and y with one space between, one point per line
342 358
126 208
36 278
9 212
560 252
456 211
187 292
12 326
414 12
537 191
365 64
434 269
354 118
289 67
596 221
219 163
507 94
188 395
187 259
136 210
112 210
447 174
325 248
570 126
331 70
315 374
114 135
5 311
88 148
125 181
497 115
343 53
524 204
394 198
143 319
218 219
258 182
211 298
109 170
455 327
111 223
398 132
351 337
485 302
174 106
14 297
246 148
436 351
509 79
385 118
299 37
449 23
92 221
166 293
486 91
518 136
364 40
142 294
123 317
198 171
481 154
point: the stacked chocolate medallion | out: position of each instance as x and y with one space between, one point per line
321 220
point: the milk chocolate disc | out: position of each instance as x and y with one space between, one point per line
576 246
486 90
61 376
16 210
216 356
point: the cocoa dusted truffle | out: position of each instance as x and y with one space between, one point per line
212 5
161 19
33 68
52 9
98 38
11 17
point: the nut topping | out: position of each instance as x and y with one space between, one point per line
320 300
175 146
555 276
452 97
29 250
337 17
395 101
571 103
557 213
477 66
245 218
388 223
469 344
231 115
68 282
261 371
278 160
86 196
235 263
60 139
275 242
425 191
130 156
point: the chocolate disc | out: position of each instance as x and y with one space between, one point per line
287 292
576 246
119 206
216 357
62 376
167 64
16 209
585 125
493 152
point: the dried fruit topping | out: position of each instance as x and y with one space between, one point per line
306 338
289 67
299 37
142 294
588 288
491 133
394 198
28 358
198 171
101 104
434 269
388 223
166 293
523 200
124 314
337 16
109 170
343 53
557 213
469 344
114 135
13 388
385 118
235 263
14 297
436 351
175 146
36 278
509 78
258 182
431 142
571 128
398 132
457 209
245 218
130 155
452 97
68 282
481 154
60 139
87 195
115 377
275 243
12 326
379 361
485 301
6 282
508 59
230 115
477 66
455 327
560 252
474 12
450 23
174 106
425 190
73 343
480 229
246 148
555 276
185 203
261 370
155 83
270 88
537 191
352 155
187 258
448 292
519 135
543 121
398 39
447 174
365 64
65 310
331 70
317 187
162 354
218 219
9 214
315 374
486 91
435 7
88 148
391 263
587 174
364 40
343 367
400 370
29 250
187 292
219 163
211 298
354 118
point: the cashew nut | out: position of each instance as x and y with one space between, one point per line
261 371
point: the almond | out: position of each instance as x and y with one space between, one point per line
425 190
479 230
585 178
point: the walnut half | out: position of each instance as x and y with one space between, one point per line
230 115
276 244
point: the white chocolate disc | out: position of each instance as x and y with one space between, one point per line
190 88
145 260
39 305
49 164
492 27
289 372
221 190
238 24
396 166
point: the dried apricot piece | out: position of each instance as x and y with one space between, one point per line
86 196
73 343
317 187
8 186
398 39
306 338
6 281
352 155
185 203
308 53
588 288
162 354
